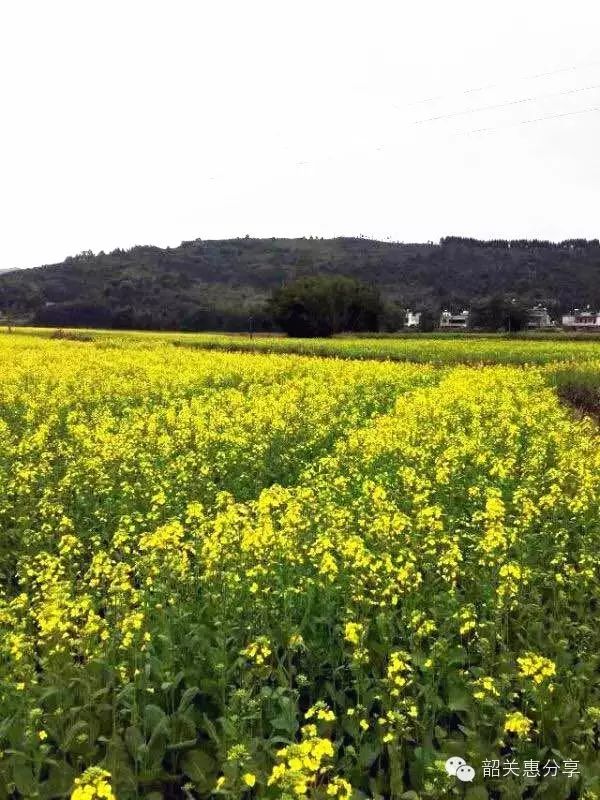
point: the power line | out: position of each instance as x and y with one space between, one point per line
507 104
576 90
536 119
330 158
537 76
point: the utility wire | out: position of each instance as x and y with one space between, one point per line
572 68
379 148
507 104
531 121
301 164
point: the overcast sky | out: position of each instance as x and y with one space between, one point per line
139 122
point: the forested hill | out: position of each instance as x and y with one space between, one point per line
221 284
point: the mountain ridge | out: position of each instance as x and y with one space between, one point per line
223 283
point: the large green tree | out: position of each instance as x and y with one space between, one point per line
499 312
322 306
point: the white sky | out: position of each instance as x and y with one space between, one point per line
140 122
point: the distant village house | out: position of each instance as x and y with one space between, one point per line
538 317
451 321
582 320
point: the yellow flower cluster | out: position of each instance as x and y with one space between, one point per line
258 651
467 620
518 724
398 672
339 787
485 687
512 578
353 632
536 667
301 765
320 711
94 784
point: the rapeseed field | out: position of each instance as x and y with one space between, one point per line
229 575
440 349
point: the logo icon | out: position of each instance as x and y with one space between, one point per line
458 767
465 773
453 764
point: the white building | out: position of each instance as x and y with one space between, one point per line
538 317
412 319
448 320
582 320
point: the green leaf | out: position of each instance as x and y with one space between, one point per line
184 744
211 730
459 701
60 781
153 716
367 754
134 741
157 746
24 778
187 698
287 720
183 728
118 763
198 766
75 730
49 693
178 678
284 723
281 740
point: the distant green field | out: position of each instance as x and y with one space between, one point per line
417 348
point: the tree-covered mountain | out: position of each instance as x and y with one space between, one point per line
223 284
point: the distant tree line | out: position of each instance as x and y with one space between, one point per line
168 318
523 244
227 285
306 307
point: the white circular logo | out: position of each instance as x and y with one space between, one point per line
465 773
453 764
